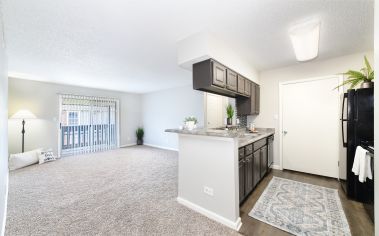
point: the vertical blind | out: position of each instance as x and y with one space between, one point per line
87 124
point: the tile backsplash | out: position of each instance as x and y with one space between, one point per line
243 120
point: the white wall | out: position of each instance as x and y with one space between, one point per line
201 46
269 81
376 119
42 99
167 109
3 129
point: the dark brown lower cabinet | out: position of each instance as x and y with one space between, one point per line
249 174
241 169
264 161
253 166
257 167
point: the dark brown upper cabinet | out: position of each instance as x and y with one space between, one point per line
213 77
247 87
257 99
231 80
249 105
219 74
241 84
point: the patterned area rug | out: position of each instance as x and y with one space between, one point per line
301 209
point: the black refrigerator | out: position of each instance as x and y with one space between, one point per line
357 119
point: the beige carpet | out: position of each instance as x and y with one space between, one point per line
129 191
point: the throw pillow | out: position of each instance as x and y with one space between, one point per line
46 156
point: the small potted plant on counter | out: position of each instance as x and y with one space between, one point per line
229 114
364 77
190 122
139 134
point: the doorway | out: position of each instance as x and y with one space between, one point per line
215 110
309 125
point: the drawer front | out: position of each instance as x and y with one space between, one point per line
260 143
241 153
249 149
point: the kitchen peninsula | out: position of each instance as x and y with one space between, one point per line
218 169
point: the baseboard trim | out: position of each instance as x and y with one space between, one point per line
161 147
276 167
2 232
128 145
211 215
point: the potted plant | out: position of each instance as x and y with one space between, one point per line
364 77
229 114
190 122
139 133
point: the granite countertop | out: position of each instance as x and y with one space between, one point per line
244 137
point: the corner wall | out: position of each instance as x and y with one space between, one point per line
167 109
42 99
3 129
269 81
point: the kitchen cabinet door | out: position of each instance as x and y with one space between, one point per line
241 174
241 84
219 75
231 80
256 167
253 99
264 161
247 87
257 99
249 174
270 151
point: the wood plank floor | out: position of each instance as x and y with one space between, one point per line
359 221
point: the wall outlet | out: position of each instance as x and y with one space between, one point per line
208 190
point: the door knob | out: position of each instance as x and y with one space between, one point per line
285 132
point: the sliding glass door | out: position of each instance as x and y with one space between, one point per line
87 124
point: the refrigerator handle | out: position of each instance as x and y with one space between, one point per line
343 120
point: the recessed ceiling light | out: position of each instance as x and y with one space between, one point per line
305 39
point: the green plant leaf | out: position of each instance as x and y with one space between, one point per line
229 111
348 81
354 83
368 66
355 75
371 76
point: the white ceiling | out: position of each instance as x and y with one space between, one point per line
131 45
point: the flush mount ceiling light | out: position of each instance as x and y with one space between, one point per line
305 39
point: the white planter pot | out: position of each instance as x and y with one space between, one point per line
190 125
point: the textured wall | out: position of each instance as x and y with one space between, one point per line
167 109
269 80
42 99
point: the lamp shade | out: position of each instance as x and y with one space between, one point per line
305 40
23 114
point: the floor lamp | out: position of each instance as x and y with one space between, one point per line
23 115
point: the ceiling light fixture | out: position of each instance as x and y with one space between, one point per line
305 39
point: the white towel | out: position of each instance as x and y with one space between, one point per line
362 164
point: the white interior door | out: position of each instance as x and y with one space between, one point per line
310 125
215 111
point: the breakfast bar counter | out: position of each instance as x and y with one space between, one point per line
208 171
